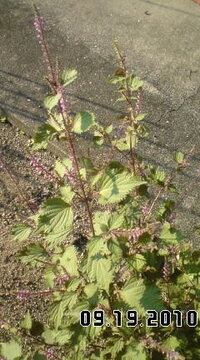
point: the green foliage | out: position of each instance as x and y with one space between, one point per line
11 350
126 256
68 76
83 121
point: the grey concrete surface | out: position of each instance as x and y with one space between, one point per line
161 41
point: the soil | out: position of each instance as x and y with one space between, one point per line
14 275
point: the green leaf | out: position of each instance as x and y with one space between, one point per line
114 186
51 101
172 343
140 117
55 216
101 271
121 144
63 336
115 79
27 322
61 167
89 166
57 309
83 121
56 238
98 138
11 350
170 236
69 260
136 351
21 231
68 76
92 293
117 347
97 246
141 296
108 129
104 221
32 253
56 121
179 157
101 222
49 336
66 193
49 277
138 262
43 134
135 83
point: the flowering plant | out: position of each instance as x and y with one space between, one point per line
128 286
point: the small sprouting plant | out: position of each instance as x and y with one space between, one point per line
128 287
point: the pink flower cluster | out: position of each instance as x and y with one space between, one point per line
63 103
39 28
62 278
25 294
170 354
49 354
40 169
166 271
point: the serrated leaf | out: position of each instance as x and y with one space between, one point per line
57 309
51 101
61 167
117 347
108 129
113 186
75 311
49 277
56 121
66 193
56 238
11 350
179 157
92 293
100 270
55 216
121 144
44 133
115 79
138 262
74 284
170 236
21 231
104 221
141 296
62 337
83 121
49 336
68 76
27 322
69 260
135 83
172 343
33 252
97 246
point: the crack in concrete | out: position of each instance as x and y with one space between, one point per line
179 106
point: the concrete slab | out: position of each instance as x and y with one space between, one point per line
162 44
